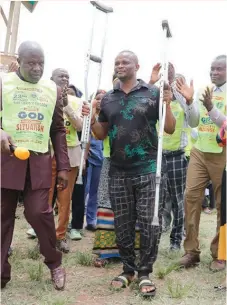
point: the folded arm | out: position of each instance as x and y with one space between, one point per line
74 117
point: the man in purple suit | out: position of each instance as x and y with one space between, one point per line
31 114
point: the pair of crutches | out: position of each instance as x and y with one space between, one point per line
85 137
162 116
162 105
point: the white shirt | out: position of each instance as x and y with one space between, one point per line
220 89
216 116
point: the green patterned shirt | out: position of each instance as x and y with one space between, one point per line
132 122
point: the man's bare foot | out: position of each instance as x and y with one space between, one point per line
146 286
146 289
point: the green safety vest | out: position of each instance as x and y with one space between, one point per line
27 111
207 130
172 141
191 142
106 148
71 133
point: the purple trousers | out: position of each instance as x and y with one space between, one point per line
39 215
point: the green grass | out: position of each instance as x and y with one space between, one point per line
87 285
162 272
33 253
84 258
178 290
35 271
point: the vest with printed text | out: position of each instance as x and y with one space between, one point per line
172 142
71 133
27 111
207 130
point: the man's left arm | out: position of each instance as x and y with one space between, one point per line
58 138
216 116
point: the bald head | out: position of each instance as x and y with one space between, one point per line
60 77
31 61
130 54
126 65
28 46
221 57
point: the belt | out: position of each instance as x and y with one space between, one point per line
174 153
33 153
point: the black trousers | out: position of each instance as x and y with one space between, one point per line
133 198
176 178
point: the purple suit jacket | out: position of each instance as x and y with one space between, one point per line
13 170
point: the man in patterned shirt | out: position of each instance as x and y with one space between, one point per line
129 114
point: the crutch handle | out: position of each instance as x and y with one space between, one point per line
165 26
96 58
102 7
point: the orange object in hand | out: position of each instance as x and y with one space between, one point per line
20 152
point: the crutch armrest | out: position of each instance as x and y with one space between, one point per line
165 26
102 7
96 58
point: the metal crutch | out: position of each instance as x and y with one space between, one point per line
87 120
162 116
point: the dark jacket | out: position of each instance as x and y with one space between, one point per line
13 170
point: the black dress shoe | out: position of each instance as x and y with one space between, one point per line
91 228
3 285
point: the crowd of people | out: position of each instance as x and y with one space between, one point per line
117 197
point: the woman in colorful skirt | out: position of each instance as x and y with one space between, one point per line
221 139
105 239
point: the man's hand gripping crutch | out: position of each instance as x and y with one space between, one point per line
98 60
162 118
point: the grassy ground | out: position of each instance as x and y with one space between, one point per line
87 285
